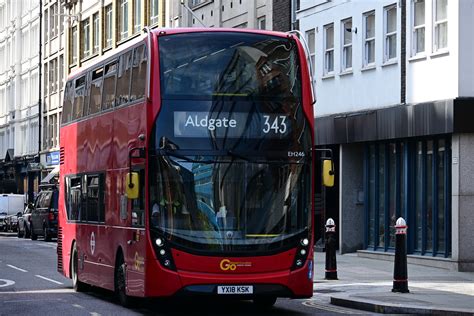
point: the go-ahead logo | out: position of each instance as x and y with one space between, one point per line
226 265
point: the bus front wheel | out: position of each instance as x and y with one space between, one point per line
121 283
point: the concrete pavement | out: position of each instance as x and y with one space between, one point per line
367 283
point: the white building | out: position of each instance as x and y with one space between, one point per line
19 92
394 104
53 74
253 14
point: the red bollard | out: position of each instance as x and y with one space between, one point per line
400 272
330 245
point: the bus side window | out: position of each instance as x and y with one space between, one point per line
138 73
123 80
96 90
80 92
73 197
108 93
68 99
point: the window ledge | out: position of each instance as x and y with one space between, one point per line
368 67
105 49
89 57
417 58
390 63
440 53
346 72
328 76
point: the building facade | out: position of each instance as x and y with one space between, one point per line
19 96
95 27
252 14
395 90
53 74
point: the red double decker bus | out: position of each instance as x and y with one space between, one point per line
186 168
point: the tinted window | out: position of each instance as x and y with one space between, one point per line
73 198
228 65
79 95
123 82
93 205
138 73
96 90
68 100
108 95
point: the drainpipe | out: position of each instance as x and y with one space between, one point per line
40 76
403 53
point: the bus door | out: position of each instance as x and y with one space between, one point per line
136 243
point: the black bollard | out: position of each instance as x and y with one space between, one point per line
400 272
330 244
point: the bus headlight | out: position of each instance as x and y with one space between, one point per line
301 254
305 242
159 242
163 251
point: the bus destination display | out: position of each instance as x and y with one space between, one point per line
230 125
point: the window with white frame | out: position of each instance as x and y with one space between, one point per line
154 12
61 72
390 43
108 26
123 11
2 16
85 38
137 16
24 45
53 76
34 42
346 44
74 45
95 33
34 79
53 20
418 8
369 38
440 25
46 26
328 48
61 19
311 40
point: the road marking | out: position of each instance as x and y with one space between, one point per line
51 291
47 279
78 306
94 314
16 268
7 283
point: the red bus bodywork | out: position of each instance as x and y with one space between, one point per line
102 143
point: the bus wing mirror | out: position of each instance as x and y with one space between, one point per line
328 173
131 183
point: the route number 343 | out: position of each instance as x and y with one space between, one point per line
276 124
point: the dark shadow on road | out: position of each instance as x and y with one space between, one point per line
194 306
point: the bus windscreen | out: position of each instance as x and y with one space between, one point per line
224 64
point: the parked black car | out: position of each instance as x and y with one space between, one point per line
24 220
44 217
